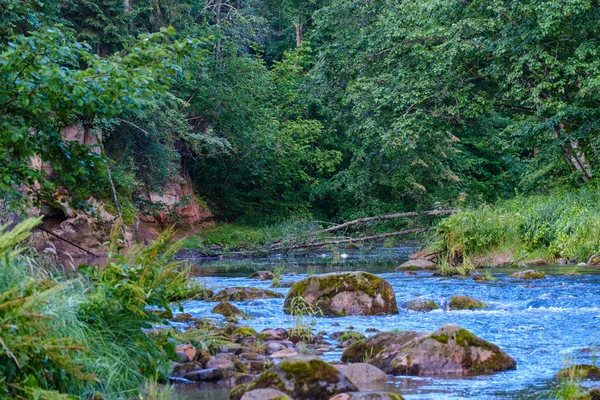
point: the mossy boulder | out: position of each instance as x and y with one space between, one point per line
229 310
465 303
580 371
415 265
348 293
450 350
306 378
420 305
240 293
528 274
262 275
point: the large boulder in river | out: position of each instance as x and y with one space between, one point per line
347 293
307 378
241 293
450 350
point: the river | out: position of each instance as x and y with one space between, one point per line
543 324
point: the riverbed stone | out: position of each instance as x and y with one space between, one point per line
227 309
348 293
240 293
449 350
284 353
594 393
208 374
181 369
273 334
367 396
262 275
186 353
465 303
265 394
362 374
420 305
419 264
307 378
581 371
594 260
528 274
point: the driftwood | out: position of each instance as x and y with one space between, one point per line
383 218
353 240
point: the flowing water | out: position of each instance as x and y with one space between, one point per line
543 324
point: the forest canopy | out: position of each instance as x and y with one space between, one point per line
321 108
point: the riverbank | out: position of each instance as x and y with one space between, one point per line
559 228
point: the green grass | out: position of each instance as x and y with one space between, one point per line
234 237
565 224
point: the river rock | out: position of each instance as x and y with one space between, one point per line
181 369
420 264
229 310
528 274
362 374
273 346
284 353
367 396
581 371
594 393
265 394
594 260
420 305
186 352
465 303
241 293
262 275
273 334
450 350
348 293
209 374
307 378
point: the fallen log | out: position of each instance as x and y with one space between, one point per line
385 217
353 240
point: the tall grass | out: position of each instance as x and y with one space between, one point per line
565 224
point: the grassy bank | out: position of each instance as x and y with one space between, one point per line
256 240
561 225
86 337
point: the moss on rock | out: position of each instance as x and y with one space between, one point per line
528 274
241 293
465 303
229 310
581 371
303 378
420 305
341 294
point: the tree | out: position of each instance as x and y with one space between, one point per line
52 81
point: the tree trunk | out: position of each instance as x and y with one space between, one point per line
127 5
299 28
573 154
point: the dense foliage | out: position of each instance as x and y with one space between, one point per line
322 108
71 338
